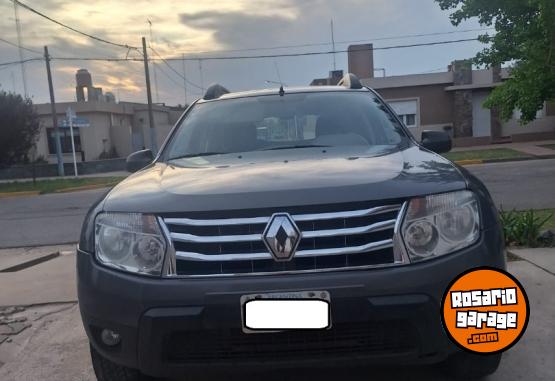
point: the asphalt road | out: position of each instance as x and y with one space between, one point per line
45 219
519 184
56 218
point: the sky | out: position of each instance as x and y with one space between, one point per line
213 28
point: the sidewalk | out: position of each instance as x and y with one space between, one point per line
528 148
50 343
37 275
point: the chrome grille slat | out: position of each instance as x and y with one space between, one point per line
300 254
383 225
297 217
184 237
333 240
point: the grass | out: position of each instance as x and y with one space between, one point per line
485 154
543 213
550 146
49 186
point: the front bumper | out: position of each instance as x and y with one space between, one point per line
174 326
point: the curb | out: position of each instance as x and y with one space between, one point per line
469 162
18 194
511 257
30 263
85 187
65 190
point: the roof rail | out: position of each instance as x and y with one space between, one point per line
350 81
214 92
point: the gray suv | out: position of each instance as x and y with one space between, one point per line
279 229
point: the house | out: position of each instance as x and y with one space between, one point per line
115 128
451 101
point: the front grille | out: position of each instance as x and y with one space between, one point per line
346 339
332 237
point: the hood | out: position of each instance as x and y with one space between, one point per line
276 180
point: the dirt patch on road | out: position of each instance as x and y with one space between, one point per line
53 346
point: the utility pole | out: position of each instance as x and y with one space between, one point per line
70 116
200 74
54 116
333 44
184 79
21 58
149 99
153 65
13 83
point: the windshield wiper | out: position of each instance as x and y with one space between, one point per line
295 146
198 154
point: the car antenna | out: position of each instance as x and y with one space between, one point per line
281 91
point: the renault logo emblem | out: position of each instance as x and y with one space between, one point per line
282 237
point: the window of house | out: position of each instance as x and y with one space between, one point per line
406 110
409 119
65 140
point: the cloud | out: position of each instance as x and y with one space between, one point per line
191 27
231 29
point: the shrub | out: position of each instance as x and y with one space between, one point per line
522 228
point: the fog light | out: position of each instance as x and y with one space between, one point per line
109 337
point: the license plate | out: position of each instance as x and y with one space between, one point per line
286 311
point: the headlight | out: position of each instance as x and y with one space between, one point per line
131 242
440 224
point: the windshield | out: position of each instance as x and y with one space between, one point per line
293 121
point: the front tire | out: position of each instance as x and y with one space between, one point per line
106 370
470 366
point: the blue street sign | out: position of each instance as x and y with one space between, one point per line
79 122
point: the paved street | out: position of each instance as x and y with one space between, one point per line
519 184
56 218
46 219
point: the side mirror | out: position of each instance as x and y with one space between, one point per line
436 141
139 160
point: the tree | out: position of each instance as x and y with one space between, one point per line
524 38
19 127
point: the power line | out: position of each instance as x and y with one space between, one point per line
19 46
168 76
20 62
415 35
175 71
165 60
105 59
126 46
433 70
369 39
319 53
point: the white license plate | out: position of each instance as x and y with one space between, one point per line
285 311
